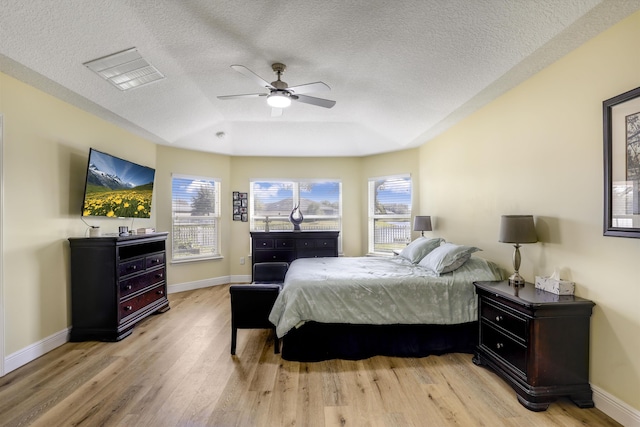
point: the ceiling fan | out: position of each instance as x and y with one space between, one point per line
280 94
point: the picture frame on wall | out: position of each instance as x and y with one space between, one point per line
240 205
621 143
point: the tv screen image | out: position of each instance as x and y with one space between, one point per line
117 188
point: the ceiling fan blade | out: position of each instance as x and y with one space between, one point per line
253 76
248 95
326 103
276 112
310 87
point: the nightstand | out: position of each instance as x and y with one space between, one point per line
537 341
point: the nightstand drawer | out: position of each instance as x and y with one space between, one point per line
502 318
503 346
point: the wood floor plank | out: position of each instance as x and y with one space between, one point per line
175 369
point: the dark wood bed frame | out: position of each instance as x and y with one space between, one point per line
314 341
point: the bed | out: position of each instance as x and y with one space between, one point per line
358 307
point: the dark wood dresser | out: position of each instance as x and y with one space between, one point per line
115 283
288 245
537 341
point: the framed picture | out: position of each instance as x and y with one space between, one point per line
621 126
240 205
245 217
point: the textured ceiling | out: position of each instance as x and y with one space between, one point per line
400 71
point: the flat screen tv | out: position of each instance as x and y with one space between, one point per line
117 188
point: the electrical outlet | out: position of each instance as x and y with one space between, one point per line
241 260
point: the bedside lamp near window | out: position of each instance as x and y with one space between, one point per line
517 229
422 224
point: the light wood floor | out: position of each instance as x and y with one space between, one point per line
175 370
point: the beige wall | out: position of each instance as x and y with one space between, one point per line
185 162
346 169
46 146
538 150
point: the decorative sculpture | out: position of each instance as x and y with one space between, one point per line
296 218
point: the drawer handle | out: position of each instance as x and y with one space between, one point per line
325 243
499 319
132 267
264 243
284 244
499 345
155 261
128 308
129 287
274 257
160 292
159 276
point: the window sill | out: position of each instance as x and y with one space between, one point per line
207 258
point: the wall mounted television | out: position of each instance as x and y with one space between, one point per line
117 188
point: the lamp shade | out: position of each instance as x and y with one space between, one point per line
517 229
422 223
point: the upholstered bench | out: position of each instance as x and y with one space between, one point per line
252 304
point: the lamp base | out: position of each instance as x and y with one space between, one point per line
516 280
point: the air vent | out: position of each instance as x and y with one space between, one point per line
125 70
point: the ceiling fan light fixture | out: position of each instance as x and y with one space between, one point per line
279 99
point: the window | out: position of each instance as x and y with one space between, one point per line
272 201
389 213
195 216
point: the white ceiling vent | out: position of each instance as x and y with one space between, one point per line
125 70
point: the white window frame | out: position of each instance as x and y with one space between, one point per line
202 231
404 236
284 216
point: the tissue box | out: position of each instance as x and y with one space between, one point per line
555 286
146 230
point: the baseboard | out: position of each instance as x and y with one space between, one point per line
198 284
240 278
35 350
615 408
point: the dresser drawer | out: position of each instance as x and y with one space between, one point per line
284 244
131 267
514 353
155 260
315 243
261 243
132 305
504 319
134 284
316 253
274 255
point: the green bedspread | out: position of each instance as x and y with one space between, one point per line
376 290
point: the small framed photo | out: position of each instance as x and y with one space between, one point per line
236 195
244 203
245 217
243 210
236 210
243 195
237 217
237 202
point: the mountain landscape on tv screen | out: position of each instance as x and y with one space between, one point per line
109 195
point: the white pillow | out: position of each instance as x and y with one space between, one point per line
447 257
419 248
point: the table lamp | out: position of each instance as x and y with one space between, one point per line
517 229
422 224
